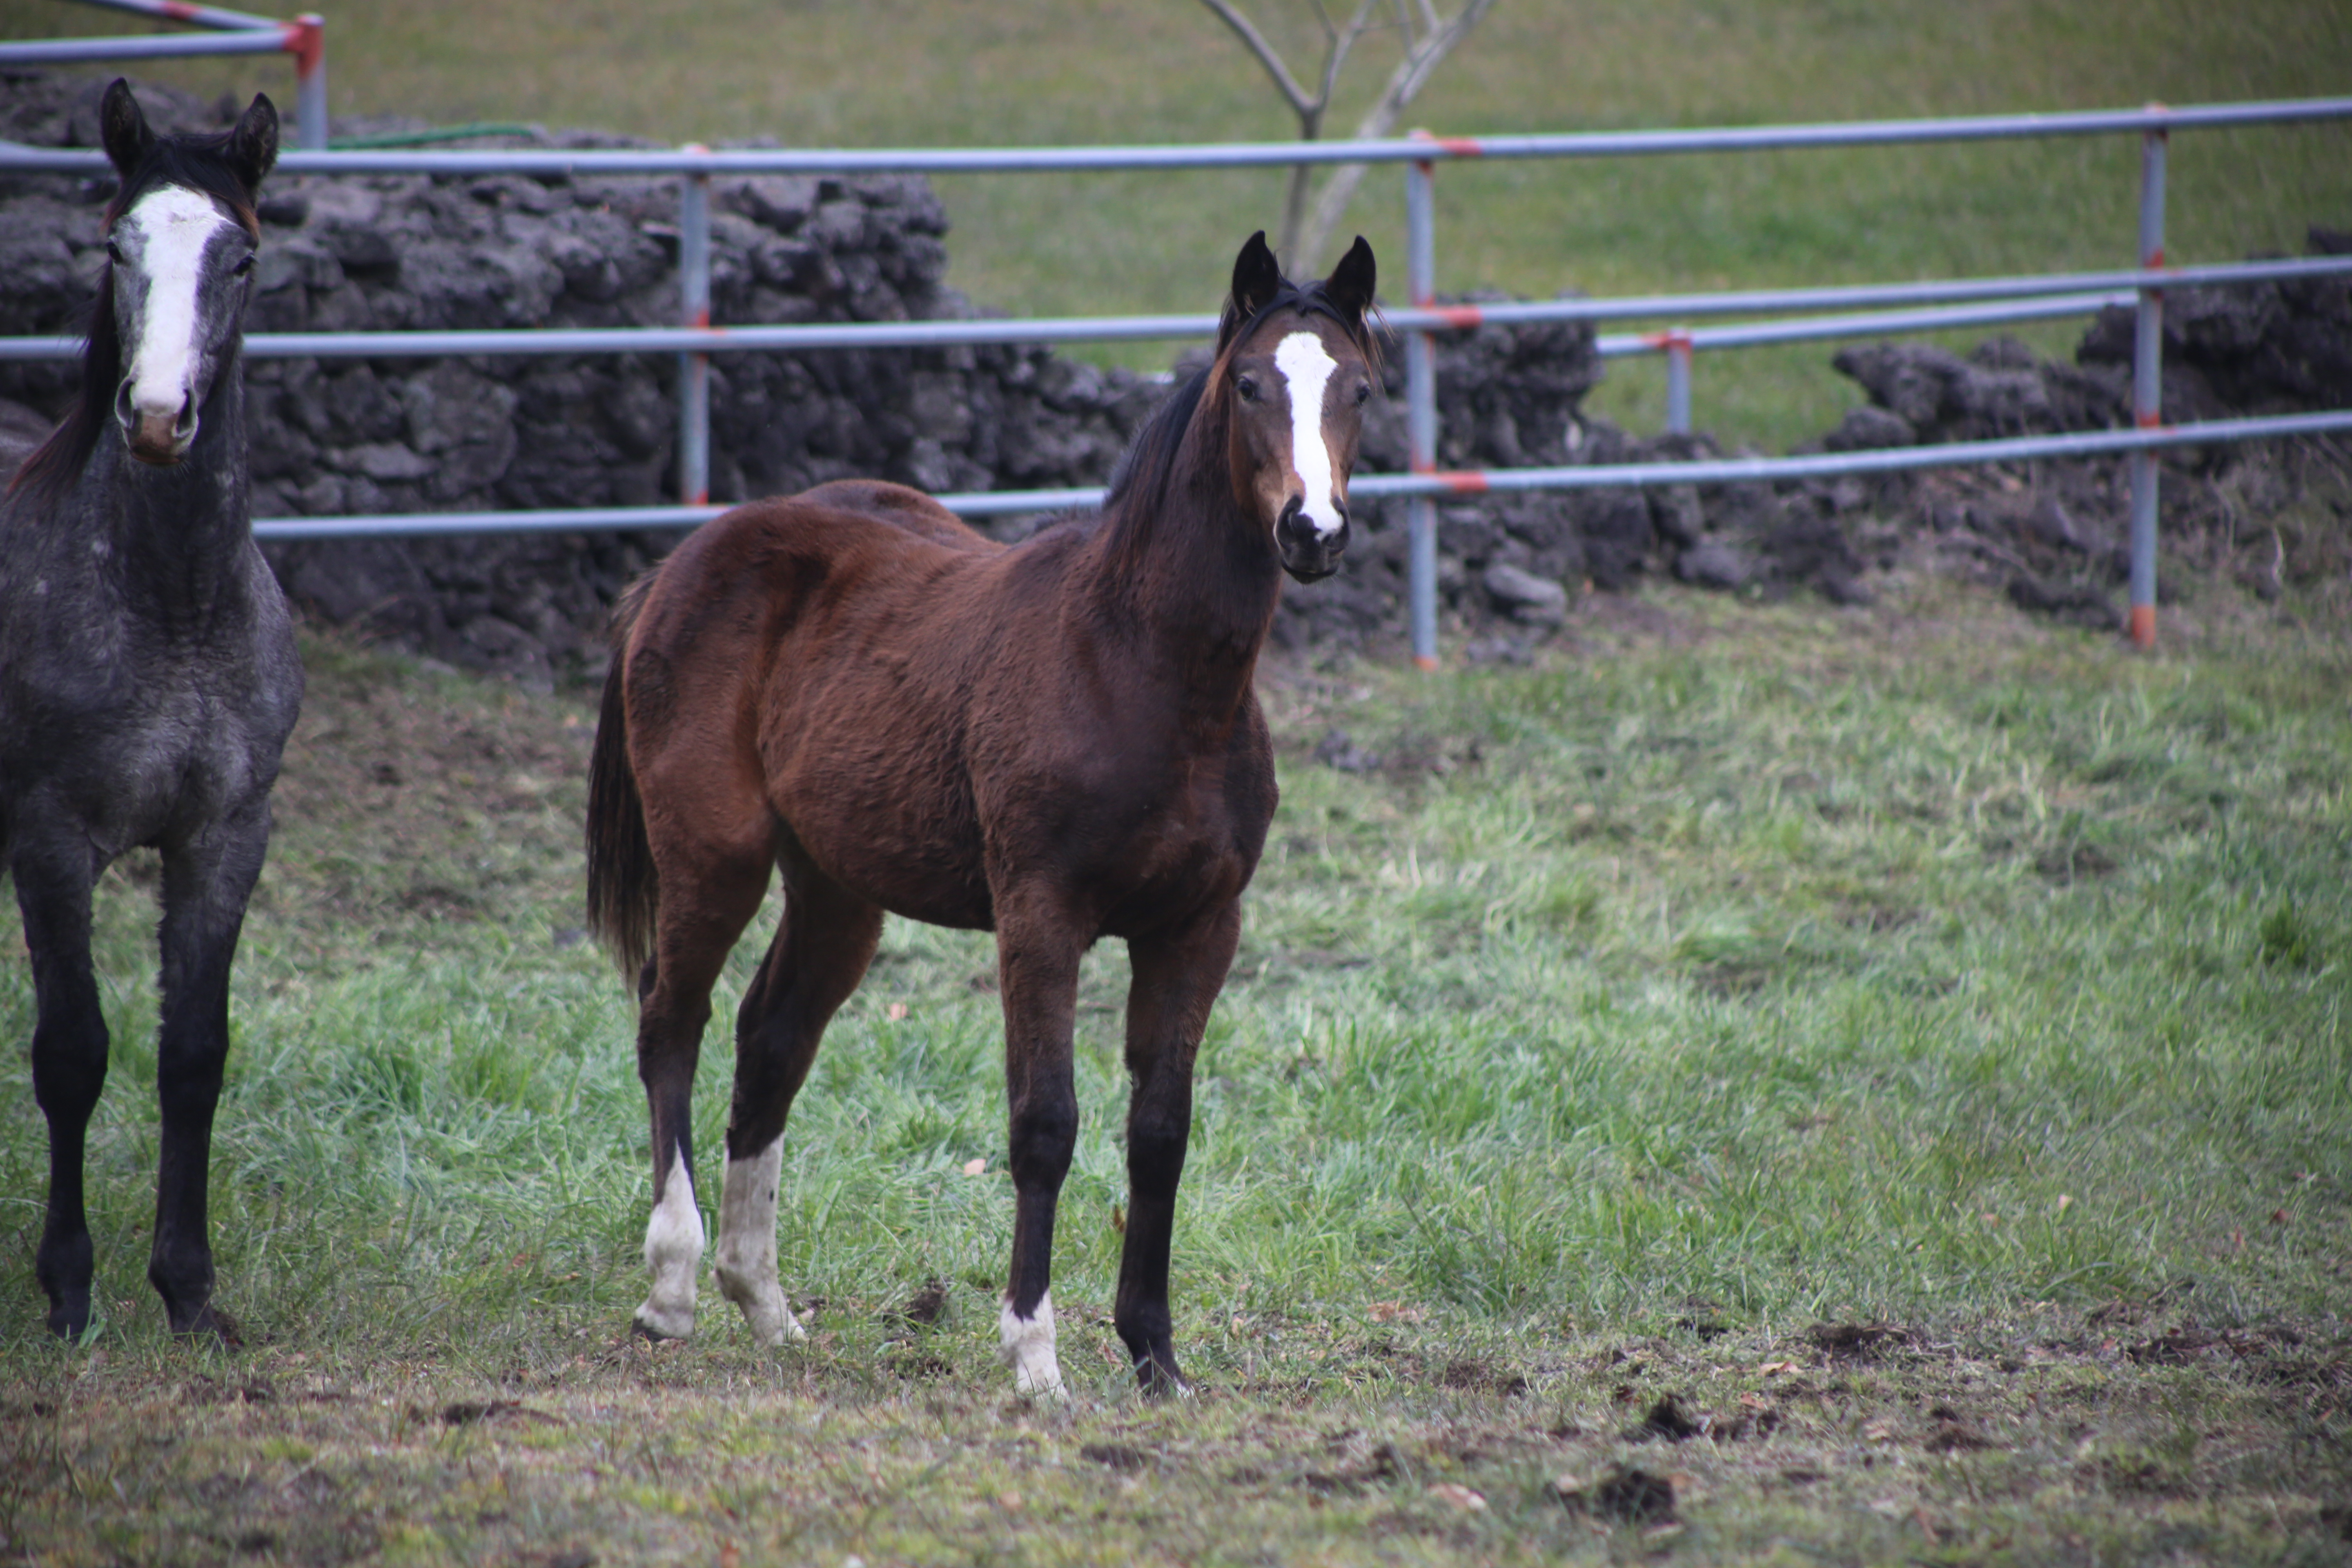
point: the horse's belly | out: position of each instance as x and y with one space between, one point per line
893 833
931 882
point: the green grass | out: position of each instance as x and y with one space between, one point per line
1922 967
901 73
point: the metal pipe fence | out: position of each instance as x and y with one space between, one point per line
1898 306
2011 300
234 33
1430 485
690 160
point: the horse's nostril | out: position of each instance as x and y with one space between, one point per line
124 415
185 425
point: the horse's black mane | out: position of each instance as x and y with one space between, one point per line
197 161
1151 456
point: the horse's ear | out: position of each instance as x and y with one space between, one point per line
123 129
1349 286
1257 279
253 146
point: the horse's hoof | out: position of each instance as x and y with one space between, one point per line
1161 1380
71 1320
765 1308
212 1326
652 1323
785 1331
1046 1388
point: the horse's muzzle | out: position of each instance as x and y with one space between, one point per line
155 437
1307 555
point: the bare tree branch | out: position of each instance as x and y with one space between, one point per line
1283 80
1303 240
1412 74
1338 42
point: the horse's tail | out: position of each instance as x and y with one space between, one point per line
623 891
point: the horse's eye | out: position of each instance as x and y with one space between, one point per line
243 266
114 253
1247 387
1363 390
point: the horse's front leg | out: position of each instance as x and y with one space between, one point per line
1177 977
53 872
1037 967
206 884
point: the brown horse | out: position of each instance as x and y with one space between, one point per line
1058 741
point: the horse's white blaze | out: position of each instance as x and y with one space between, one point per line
674 1252
170 227
746 1245
1307 370
1027 1345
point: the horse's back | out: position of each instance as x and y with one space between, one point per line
855 569
906 507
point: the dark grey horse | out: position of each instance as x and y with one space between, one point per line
148 676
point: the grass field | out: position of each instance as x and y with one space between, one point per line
1908 1044
957 72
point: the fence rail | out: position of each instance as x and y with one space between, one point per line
2018 298
234 33
1898 306
1439 482
2153 120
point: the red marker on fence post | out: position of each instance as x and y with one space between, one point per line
1676 343
306 39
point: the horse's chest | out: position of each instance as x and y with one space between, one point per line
1158 844
139 740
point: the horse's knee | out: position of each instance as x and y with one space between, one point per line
1045 1137
69 1054
1159 1129
190 1061
1155 1154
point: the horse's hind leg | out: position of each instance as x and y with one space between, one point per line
822 945
1177 979
206 883
707 898
53 873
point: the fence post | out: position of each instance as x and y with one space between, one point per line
694 311
1676 341
2148 388
1420 407
306 40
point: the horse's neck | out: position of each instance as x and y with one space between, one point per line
1191 579
178 535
